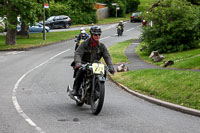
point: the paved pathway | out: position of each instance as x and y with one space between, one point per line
137 63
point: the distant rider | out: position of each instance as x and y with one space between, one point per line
89 51
83 36
80 35
121 24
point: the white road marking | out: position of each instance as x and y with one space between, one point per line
14 94
111 26
130 29
104 38
14 52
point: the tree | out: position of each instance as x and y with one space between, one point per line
27 10
195 2
175 26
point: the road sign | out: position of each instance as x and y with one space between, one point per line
46 5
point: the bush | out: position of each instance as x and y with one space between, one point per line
132 5
175 27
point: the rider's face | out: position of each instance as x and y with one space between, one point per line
96 37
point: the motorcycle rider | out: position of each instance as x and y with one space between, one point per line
121 24
83 36
89 51
120 28
82 29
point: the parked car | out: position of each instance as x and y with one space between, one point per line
2 24
37 28
136 17
61 21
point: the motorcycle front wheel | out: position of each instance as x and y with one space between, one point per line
97 97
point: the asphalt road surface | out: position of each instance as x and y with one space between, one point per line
33 96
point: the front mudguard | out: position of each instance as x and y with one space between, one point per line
102 78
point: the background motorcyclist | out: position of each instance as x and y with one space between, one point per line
82 29
121 24
89 51
83 36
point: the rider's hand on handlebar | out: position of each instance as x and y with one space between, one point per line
78 65
112 71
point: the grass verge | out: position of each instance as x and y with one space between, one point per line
36 39
179 87
175 86
189 59
117 52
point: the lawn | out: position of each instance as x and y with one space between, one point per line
189 59
36 39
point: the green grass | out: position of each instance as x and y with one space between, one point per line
179 87
117 52
189 59
145 4
175 86
36 39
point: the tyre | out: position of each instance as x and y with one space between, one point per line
118 32
66 26
50 26
97 97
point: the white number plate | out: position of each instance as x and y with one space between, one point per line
98 68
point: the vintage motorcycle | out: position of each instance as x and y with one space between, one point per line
92 89
119 30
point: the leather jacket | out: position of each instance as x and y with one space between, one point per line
86 53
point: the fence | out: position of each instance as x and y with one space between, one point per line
102 13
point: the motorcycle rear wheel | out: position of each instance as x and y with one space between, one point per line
97 97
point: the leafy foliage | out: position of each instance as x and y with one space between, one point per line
175 27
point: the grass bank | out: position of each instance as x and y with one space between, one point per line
36 39
117 52
175 86
189 59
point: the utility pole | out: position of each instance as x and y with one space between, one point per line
44 35
117 8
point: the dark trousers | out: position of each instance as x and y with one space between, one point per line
79 73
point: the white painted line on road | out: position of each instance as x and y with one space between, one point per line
105 38
14 52
130 29
14 94
111 26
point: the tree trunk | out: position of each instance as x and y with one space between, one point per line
12 23
24 30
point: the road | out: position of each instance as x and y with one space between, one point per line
34 100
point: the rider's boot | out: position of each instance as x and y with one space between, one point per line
74 92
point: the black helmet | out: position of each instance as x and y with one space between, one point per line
95 30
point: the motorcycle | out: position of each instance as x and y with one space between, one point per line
92 89
119 30
78 42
